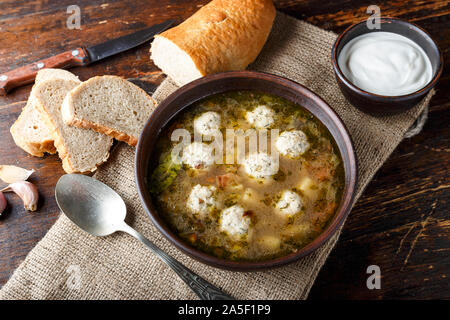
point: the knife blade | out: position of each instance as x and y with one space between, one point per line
79 57
115 46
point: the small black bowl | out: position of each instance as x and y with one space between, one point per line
381 104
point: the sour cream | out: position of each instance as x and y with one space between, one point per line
385 63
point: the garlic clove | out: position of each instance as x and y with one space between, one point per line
2 203
11 174
26 191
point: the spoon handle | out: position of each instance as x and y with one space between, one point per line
202 288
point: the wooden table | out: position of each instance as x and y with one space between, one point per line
400 224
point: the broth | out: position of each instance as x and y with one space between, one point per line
223 210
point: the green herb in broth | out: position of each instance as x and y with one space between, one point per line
317 177
164 175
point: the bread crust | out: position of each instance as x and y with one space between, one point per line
59 141
36 149
224 35
121 136
69 168
71 119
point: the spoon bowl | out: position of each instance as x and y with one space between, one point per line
90 204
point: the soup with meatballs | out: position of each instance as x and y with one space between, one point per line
239 201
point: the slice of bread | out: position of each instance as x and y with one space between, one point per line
29 131
81 150
50 74
109 105
223 35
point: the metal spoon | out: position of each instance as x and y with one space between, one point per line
100 211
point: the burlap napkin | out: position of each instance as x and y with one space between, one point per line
70 264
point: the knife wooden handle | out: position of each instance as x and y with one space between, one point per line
26 74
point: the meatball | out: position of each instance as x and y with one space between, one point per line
202 200
261 117
208 123
290 203
292 143
198 155
260 165
234 222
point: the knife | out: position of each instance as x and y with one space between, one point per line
79 57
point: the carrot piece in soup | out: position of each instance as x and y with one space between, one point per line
321 217
223 180
192 237
323 173
210 179
320 170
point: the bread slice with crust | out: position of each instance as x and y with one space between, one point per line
109 105
29 130
81 150
51 73
223 35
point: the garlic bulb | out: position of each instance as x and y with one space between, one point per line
26 191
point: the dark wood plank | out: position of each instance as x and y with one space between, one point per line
401 223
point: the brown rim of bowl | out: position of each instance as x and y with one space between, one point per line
340 215
417 93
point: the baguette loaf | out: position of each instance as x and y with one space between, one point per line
109 105
81 150
223 35
29 131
